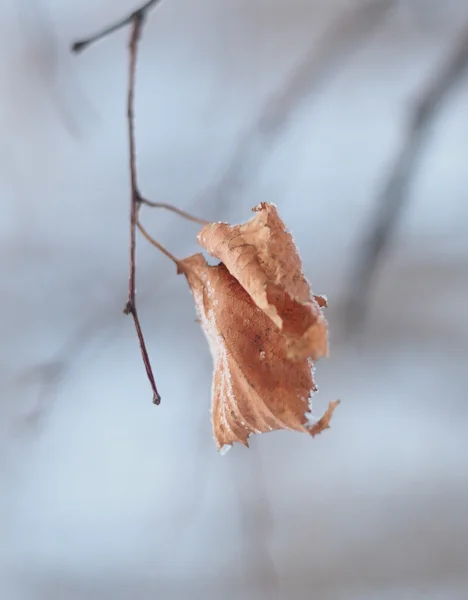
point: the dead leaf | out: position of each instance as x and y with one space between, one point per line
257 387
262 256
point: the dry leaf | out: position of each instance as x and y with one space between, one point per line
257 387
262 256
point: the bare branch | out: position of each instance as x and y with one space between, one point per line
51 373
130 308
395 193
138 15
136 20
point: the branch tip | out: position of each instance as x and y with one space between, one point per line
137 17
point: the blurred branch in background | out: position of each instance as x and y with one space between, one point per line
49 375
396 191
43 46
346 36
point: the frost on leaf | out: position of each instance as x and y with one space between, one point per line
257 386
262 256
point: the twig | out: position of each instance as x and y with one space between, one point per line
174 209
157 245
138 15
130 308
136 20
395 193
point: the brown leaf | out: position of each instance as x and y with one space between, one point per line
256 386
262 256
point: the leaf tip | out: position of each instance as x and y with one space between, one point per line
324 422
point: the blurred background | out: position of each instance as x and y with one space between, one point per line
352 117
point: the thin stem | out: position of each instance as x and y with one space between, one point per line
174 209
136 19
138 14
130 308
157 245
133 46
